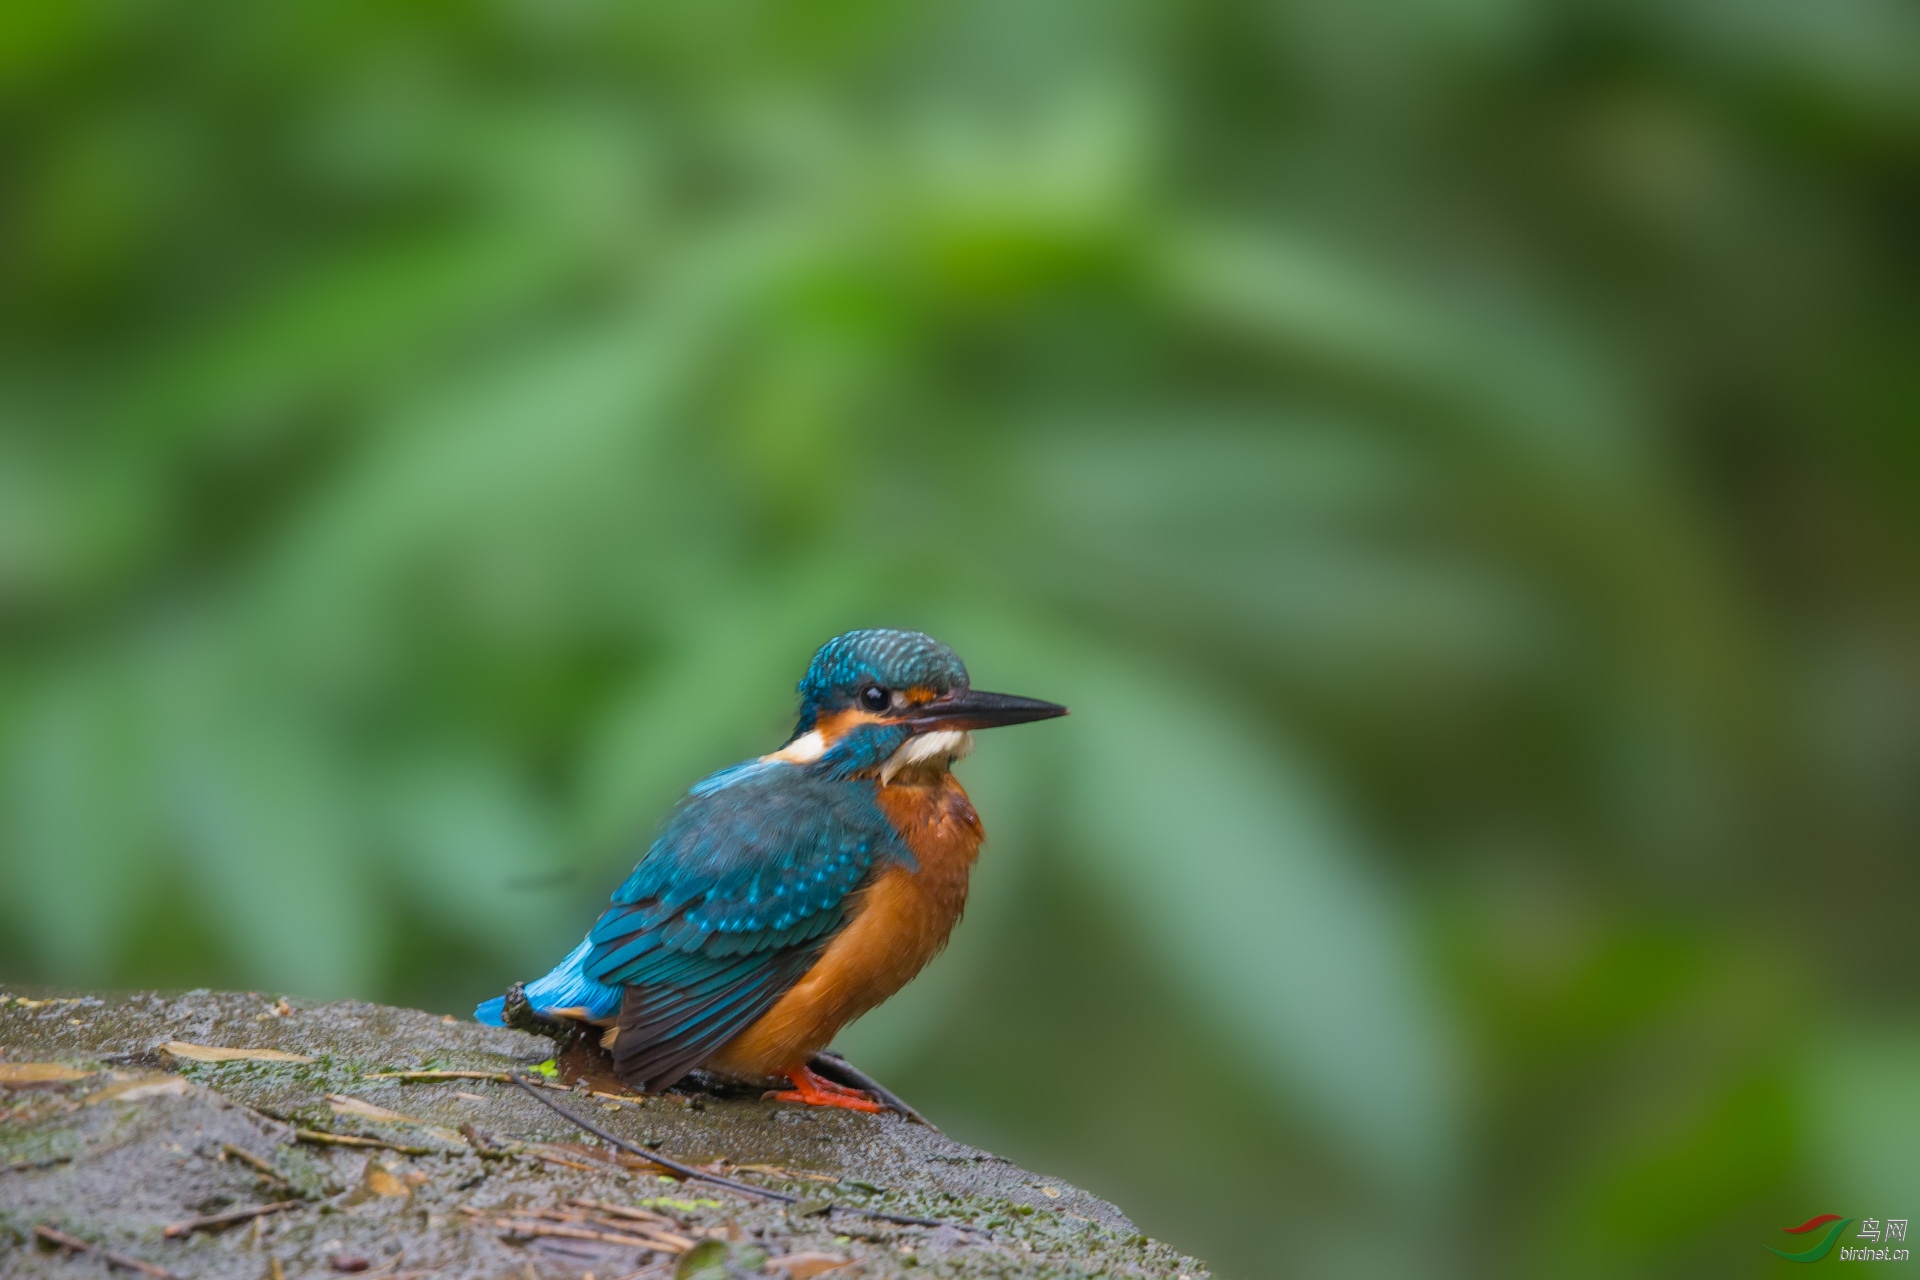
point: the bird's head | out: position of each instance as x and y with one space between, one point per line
887 700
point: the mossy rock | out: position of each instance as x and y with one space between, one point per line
142 1138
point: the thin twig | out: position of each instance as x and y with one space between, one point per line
349 1140
790 1175
500 1077
616 1098
673 1239
624 1211
670 1239
701 1175
640 1221
112 1259
577 1233
21 1166
262 1167
571 1164
218 1220
599 1161
665 1162
556 1215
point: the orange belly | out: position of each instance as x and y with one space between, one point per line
899 921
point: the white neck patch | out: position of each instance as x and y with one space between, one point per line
943 746
805 749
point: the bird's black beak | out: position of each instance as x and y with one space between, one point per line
974 709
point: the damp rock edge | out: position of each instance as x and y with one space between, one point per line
143 1141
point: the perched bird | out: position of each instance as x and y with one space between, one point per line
787 895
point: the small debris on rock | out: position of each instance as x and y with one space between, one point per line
214 1053
804 1266
19 1075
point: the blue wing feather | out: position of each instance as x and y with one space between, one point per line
750 870
566 986
747 882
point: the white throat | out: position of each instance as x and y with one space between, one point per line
805 749
941 747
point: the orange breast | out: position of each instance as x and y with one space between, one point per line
899 921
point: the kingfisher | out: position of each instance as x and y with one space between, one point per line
789 894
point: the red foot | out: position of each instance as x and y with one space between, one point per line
817 1091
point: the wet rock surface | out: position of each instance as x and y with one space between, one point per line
472 1177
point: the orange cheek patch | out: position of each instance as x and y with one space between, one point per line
837 724
920 695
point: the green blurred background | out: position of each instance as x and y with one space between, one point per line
1458 459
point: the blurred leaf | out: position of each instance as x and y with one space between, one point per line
431 437
1517 391
1862 1100
347 327
1713 1151
724 689
79 801
468 839
479 450
1232 865
1853 52
268 833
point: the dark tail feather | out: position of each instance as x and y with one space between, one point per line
660 1040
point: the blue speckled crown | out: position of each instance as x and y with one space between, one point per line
879 655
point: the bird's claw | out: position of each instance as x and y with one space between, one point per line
826 1100
827 1064
817 1091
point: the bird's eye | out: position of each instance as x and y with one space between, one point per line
873 698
